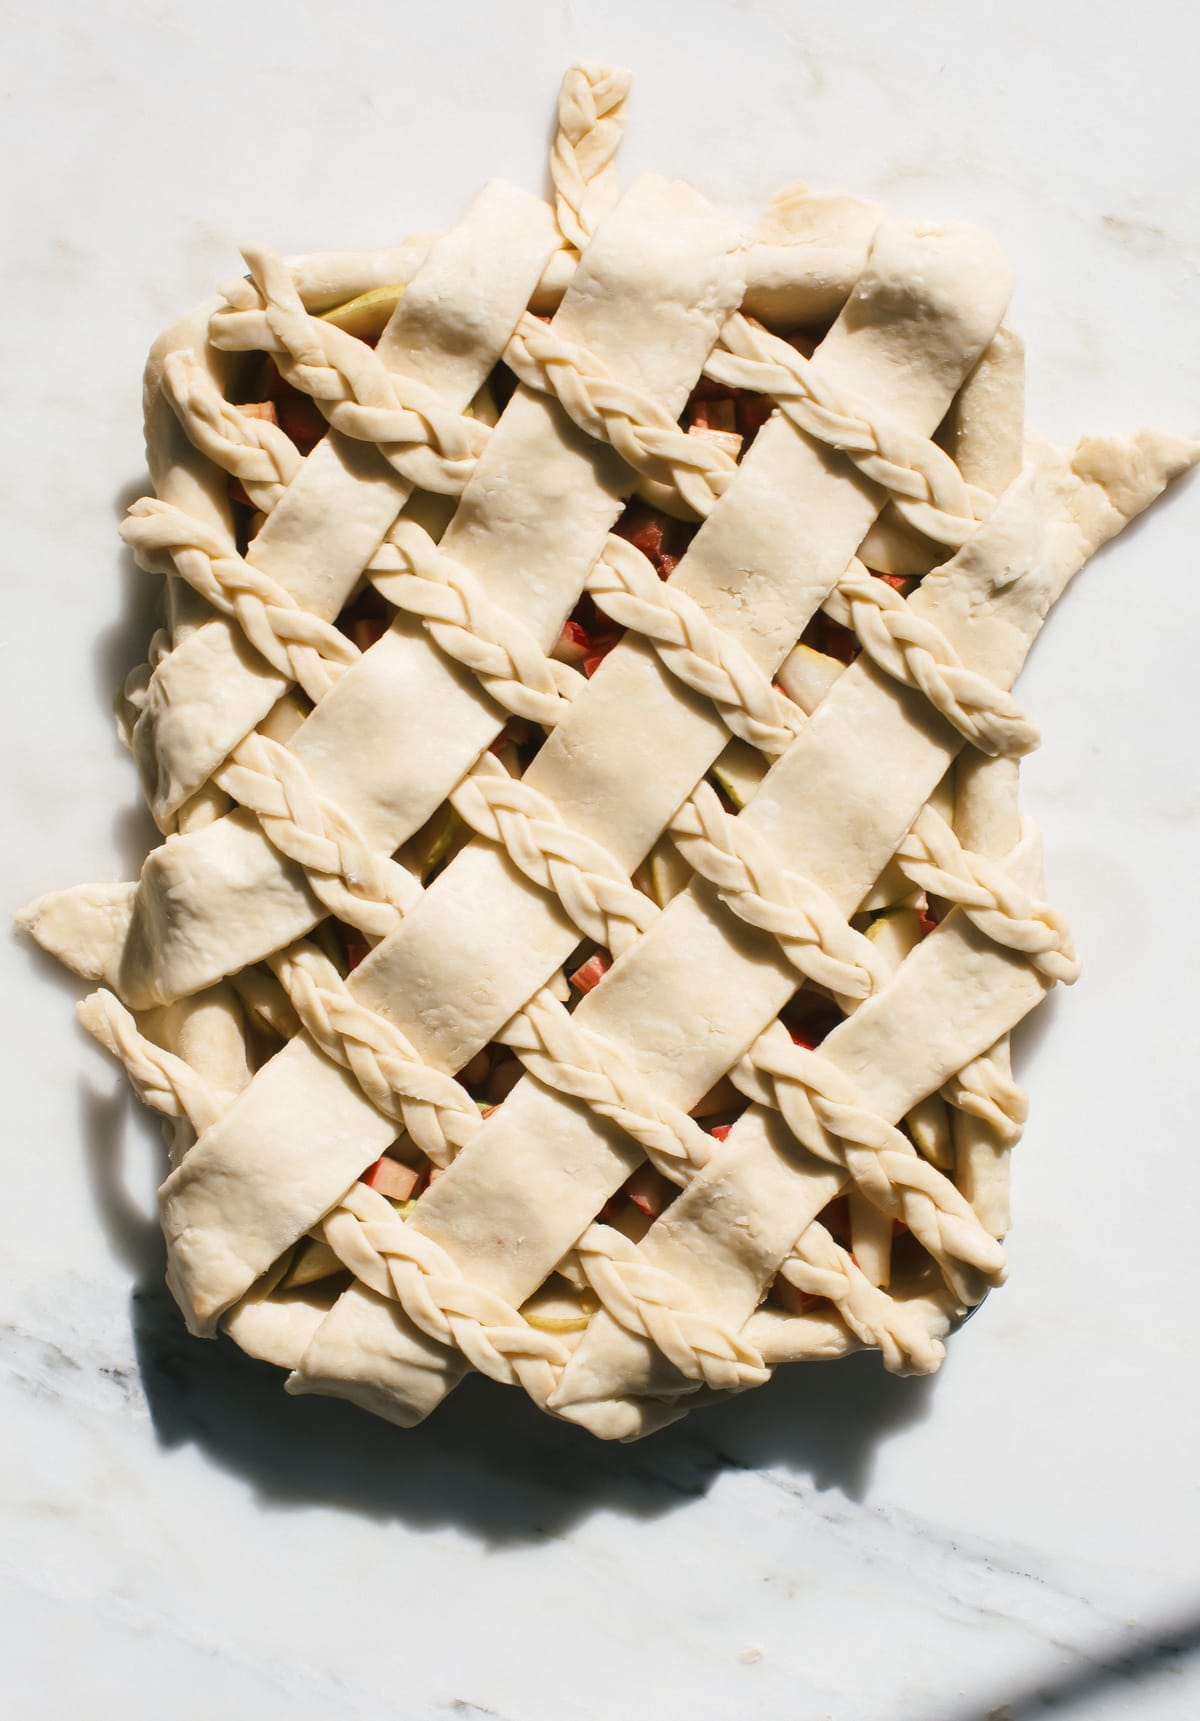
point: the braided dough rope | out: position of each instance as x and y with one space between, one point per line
652 1303
592 887
919 655
261 456
823 1110
433 1107
564 1056
410 571
161 1080
819 1265
926 487
706 657
812 931
677 467
591 121
346 872
990 894
395 1259
405 419
297 643
341 499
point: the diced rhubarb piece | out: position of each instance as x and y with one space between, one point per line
505 1075
365 630
753 411
720 1131
519 731
355 946
927 922
650 1191
728 441
297 415
836 1220
804 344
660 539
791 1298
574 644
648 539
809 1017
721 1097
722 415
475 1073
898 582
260 409
591 972
829 636
390 1178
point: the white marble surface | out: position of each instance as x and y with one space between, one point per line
1015 1538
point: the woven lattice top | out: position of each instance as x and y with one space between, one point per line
593 900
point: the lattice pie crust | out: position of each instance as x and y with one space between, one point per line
425 735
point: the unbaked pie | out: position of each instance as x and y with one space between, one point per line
593 900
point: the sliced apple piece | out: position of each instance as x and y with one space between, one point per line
667 871
313 1260
807 675
559 1308
723 1097
437 841
366 315
929 1125
738 772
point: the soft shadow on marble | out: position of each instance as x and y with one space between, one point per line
489 1461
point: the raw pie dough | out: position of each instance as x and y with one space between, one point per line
774 815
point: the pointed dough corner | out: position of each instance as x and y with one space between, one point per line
1133 470
84 927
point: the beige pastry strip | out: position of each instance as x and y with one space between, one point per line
723 983
187 1061
984 433
987 820
447 332
777 1188
825 240
648 300
461 302
475 949
809 251
951 999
